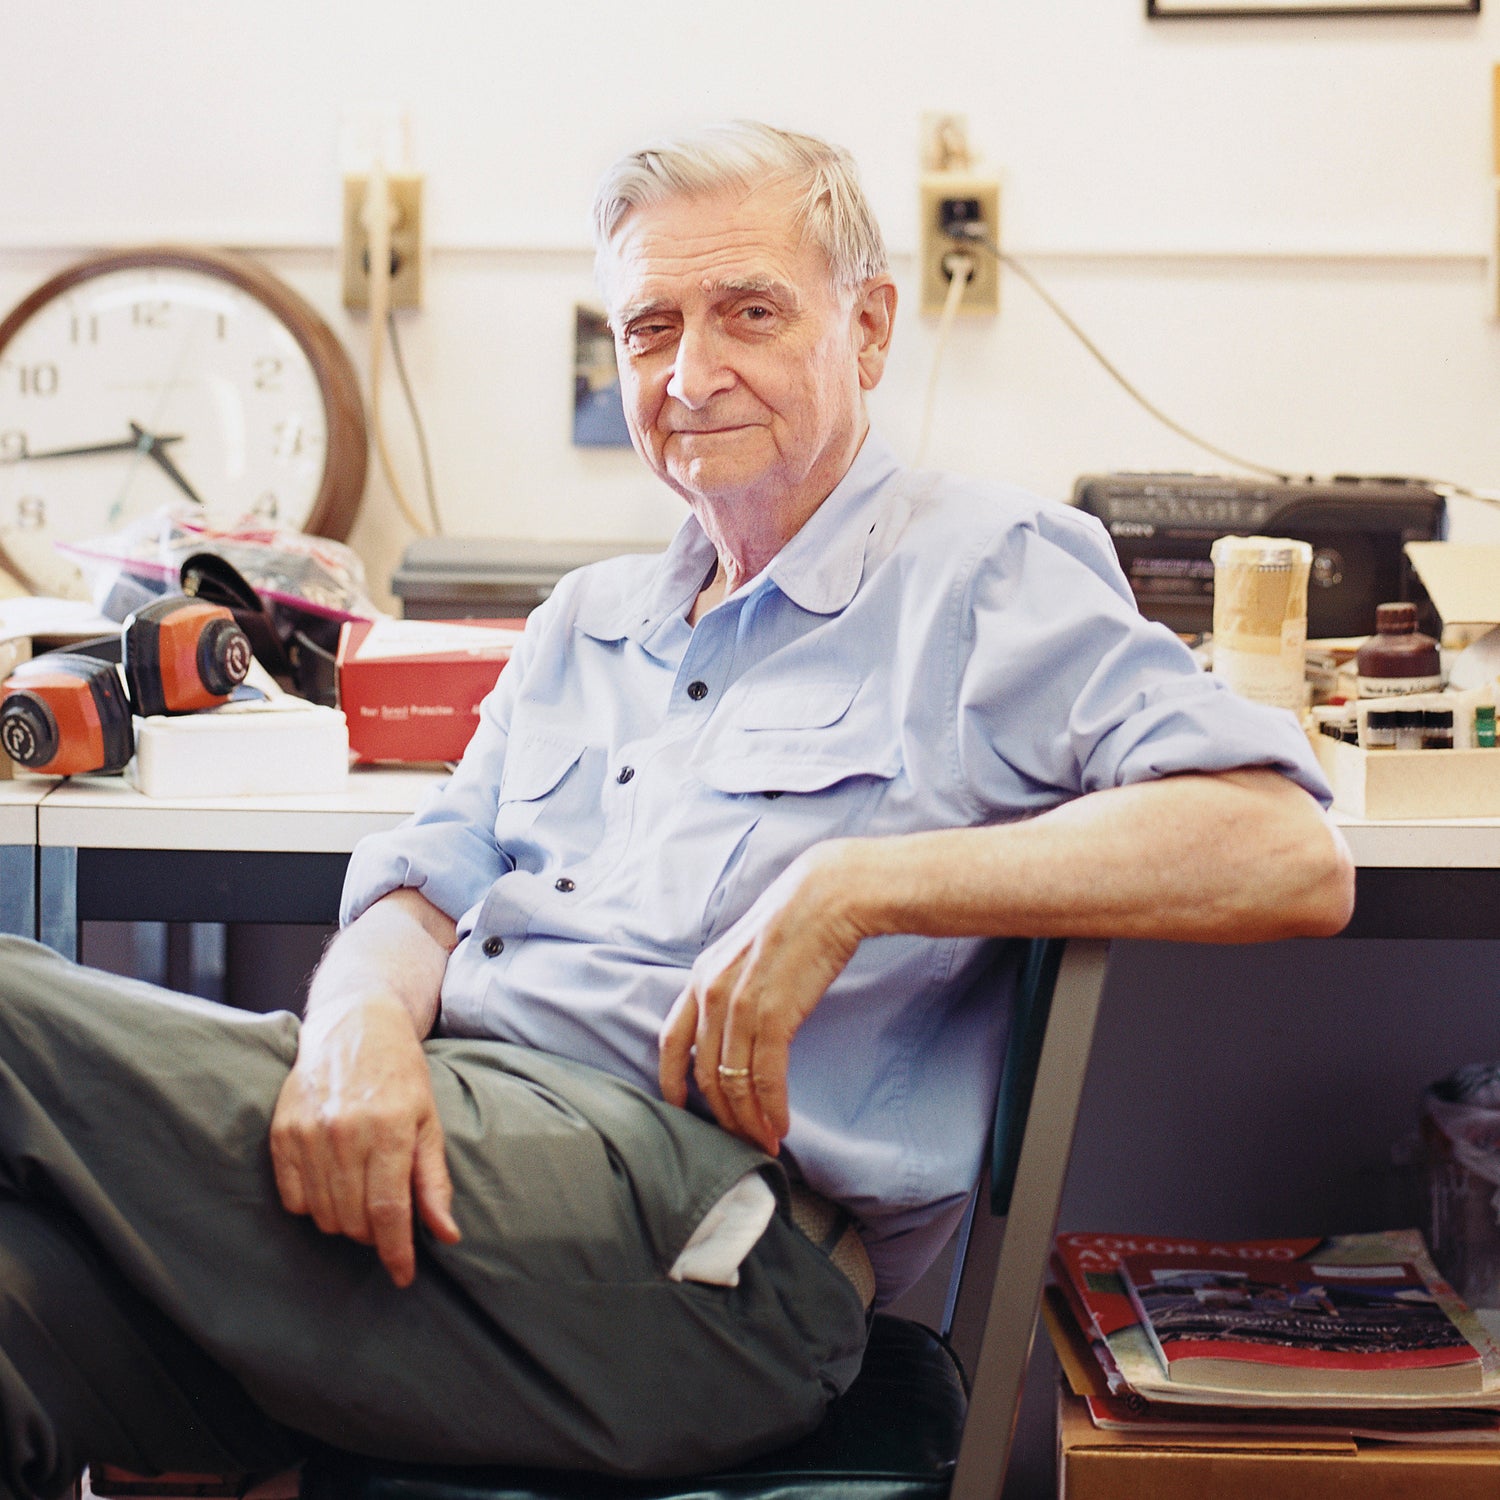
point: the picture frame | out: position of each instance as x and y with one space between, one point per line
598 409
1159 10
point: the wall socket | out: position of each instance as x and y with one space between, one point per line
963 195
406 240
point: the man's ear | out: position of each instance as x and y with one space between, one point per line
874 317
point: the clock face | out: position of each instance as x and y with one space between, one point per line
134 385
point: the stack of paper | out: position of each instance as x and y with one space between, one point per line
1356 1336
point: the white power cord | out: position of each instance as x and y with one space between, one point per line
974 234
960 268
379 216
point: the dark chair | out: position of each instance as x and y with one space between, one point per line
910 1427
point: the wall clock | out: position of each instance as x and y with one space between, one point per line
170 373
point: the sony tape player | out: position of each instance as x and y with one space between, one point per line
1163 525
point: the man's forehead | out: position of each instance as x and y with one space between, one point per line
710 246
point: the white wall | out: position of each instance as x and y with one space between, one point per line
1278 228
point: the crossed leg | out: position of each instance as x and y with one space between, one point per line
159 1309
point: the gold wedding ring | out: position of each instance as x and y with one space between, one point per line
733 1072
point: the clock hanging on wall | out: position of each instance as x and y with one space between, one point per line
139 377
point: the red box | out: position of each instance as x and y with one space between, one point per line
411 689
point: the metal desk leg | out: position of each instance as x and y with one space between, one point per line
57 900
18 890
1031 1223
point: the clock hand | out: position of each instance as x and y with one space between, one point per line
150 445
131 445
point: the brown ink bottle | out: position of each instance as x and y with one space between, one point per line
1398 658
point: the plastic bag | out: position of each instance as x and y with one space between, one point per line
144 558
1461 1148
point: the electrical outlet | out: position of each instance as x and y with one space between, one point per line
951 197
406 240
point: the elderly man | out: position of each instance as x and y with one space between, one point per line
652 1048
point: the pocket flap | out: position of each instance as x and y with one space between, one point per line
793 771
803 705
799 739
534 764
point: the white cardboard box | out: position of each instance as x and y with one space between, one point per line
252 750
1410 783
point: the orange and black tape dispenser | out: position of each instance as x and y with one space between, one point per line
66 713
182 654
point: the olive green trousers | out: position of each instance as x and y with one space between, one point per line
160 1310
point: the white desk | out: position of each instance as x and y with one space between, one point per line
1431 879
18 820
1444 843
106 853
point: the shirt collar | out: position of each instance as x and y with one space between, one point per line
819 569
676 580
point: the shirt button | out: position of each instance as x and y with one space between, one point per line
626 772
493 946
697 691
564 884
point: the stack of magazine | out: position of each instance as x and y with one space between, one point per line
1354 1336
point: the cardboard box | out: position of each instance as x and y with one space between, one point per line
1463 581
279 747
1095 1464
1410 783
411 689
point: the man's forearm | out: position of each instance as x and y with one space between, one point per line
1240 857
396 952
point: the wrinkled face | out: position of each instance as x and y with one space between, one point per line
740 363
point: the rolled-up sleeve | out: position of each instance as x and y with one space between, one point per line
447 848
1064 686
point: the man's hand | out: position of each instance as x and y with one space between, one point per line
355 1137
751 991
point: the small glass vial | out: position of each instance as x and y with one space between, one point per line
1398 658
1380 729
1484 727
1437 728
1408 728
1339 721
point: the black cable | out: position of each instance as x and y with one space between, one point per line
416 422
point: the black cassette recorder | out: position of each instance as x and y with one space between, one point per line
1163 525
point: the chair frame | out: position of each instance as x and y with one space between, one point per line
1041 1088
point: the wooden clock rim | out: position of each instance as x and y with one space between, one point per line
346 455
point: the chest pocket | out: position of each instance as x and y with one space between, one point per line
806 738
549 792
807 763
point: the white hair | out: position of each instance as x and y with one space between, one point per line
832 211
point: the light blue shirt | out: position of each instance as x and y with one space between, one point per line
925 653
